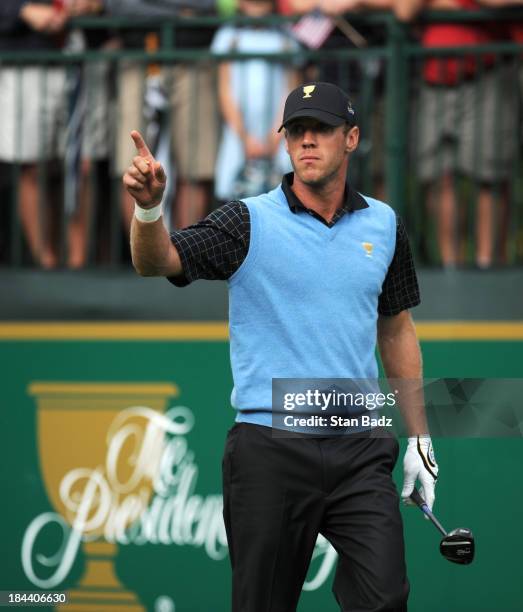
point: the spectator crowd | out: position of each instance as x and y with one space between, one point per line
213 120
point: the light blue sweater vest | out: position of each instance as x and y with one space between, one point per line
303 304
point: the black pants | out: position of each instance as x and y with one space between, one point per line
279 493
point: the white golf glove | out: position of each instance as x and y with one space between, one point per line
419 464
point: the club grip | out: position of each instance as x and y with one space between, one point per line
417 499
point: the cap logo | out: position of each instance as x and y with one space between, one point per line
307 90
350 109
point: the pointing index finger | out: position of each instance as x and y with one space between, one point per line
139 143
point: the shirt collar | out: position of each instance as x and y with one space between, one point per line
352 199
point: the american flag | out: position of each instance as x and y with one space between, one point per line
313 29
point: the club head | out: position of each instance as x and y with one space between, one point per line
458 546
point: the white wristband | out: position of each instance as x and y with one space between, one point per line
148 215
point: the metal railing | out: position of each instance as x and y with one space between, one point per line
389 82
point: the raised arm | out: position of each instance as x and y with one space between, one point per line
152 251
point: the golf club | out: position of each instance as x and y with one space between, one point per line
457 545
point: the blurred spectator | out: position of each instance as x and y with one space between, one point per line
363 78
466 124
191 90
516 35
88 137
31 98
252 157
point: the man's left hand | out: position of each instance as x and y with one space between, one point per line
419 464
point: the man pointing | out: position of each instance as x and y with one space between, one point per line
317 274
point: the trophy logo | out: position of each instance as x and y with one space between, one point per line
307 90
368 247
100 446
115 461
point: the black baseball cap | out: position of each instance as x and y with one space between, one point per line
325 102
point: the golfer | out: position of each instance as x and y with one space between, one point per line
317 274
